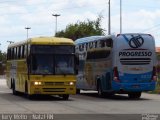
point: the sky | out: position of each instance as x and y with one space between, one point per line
138 16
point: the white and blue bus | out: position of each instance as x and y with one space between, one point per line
123 64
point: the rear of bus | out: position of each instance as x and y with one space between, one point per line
134 64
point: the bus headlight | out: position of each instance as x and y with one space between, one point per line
71 83
37 83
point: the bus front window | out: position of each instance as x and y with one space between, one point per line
42 64
64 64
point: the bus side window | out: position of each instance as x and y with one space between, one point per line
22 52
80 48
19 52
102 43
15 51
25 50
16 55
95 44
83 47
86 46
12 53
109 43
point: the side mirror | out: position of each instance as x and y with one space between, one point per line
76 71
77 59
76 63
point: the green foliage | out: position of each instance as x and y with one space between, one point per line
3 57
82 29
2 62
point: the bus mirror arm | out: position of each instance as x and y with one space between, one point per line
76 71
76 64
77 60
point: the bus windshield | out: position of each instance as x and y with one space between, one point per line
52 62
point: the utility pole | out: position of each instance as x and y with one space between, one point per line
120 16
56 15
109 18
27 28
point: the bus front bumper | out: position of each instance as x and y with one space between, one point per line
58 90
53 91
133 87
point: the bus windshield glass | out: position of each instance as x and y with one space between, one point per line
64 64
47 61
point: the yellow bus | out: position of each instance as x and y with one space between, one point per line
42 66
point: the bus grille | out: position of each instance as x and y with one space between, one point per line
54 83
135 61
53 89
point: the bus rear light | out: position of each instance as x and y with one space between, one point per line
154 76
116 76
116 79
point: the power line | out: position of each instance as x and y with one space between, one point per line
151 28
140 5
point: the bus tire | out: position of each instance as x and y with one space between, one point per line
26 87
26 91
109 94
14 92
134 95
77 91
100 92
11 84
65 97
30 97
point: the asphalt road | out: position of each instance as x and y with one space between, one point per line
86 106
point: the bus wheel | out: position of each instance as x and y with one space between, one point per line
26 88
30 97
109 94
13 88
134 95
100 92
77 91
11 83
65 97
26 92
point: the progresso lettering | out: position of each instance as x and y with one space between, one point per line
135 53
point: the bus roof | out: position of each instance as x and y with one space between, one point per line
95 38
45 41
91 38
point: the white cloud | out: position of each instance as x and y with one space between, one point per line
37 14
136 21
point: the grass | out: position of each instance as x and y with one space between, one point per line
157 90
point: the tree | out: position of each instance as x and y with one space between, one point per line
82 29
2 62
3 57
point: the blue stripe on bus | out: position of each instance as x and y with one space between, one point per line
126 38
144 77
